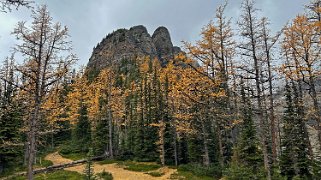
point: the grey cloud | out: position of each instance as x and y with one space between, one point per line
90 20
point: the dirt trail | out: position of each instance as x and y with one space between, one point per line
117 172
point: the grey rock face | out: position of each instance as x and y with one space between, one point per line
132 43
163 44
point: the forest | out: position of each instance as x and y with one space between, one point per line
242 102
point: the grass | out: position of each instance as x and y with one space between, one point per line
74 156
189 175
12 170
197 171
42 162
69 151
155 173
108 161
136 166
139 167
61 174
105 175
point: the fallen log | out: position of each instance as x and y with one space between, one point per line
56 167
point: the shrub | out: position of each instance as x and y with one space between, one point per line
212 170
238 171
105 175
71 152
156 174
68 149
139 167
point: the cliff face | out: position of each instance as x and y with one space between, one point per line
132 43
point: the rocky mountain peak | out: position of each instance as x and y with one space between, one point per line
138 29
162 31
132 43
163 44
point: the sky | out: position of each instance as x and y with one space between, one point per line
89 21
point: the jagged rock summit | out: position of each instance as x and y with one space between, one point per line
132 43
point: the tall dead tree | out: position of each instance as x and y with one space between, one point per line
268 43
250 49
47 56
215 51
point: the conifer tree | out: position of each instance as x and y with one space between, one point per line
247 149
100 136
247 161
294 160
82 132
215 51
89 171
10 134
250 48
286 159
42 69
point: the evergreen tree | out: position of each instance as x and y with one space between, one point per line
169 140
89 171
294 159
10 119
247 154
82 132
100 139
10 135
286 159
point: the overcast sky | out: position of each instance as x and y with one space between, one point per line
90 20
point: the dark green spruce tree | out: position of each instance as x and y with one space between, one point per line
170 142
89 171
82 131
10 124
100 135
294 160
248 158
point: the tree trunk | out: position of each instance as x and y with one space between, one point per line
175 147
316 109
57 167
162 143
52 137
220 145
206 158
110 119
313 94
32 139
259 97
271 100
174 125
300 100
110 129
26 156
